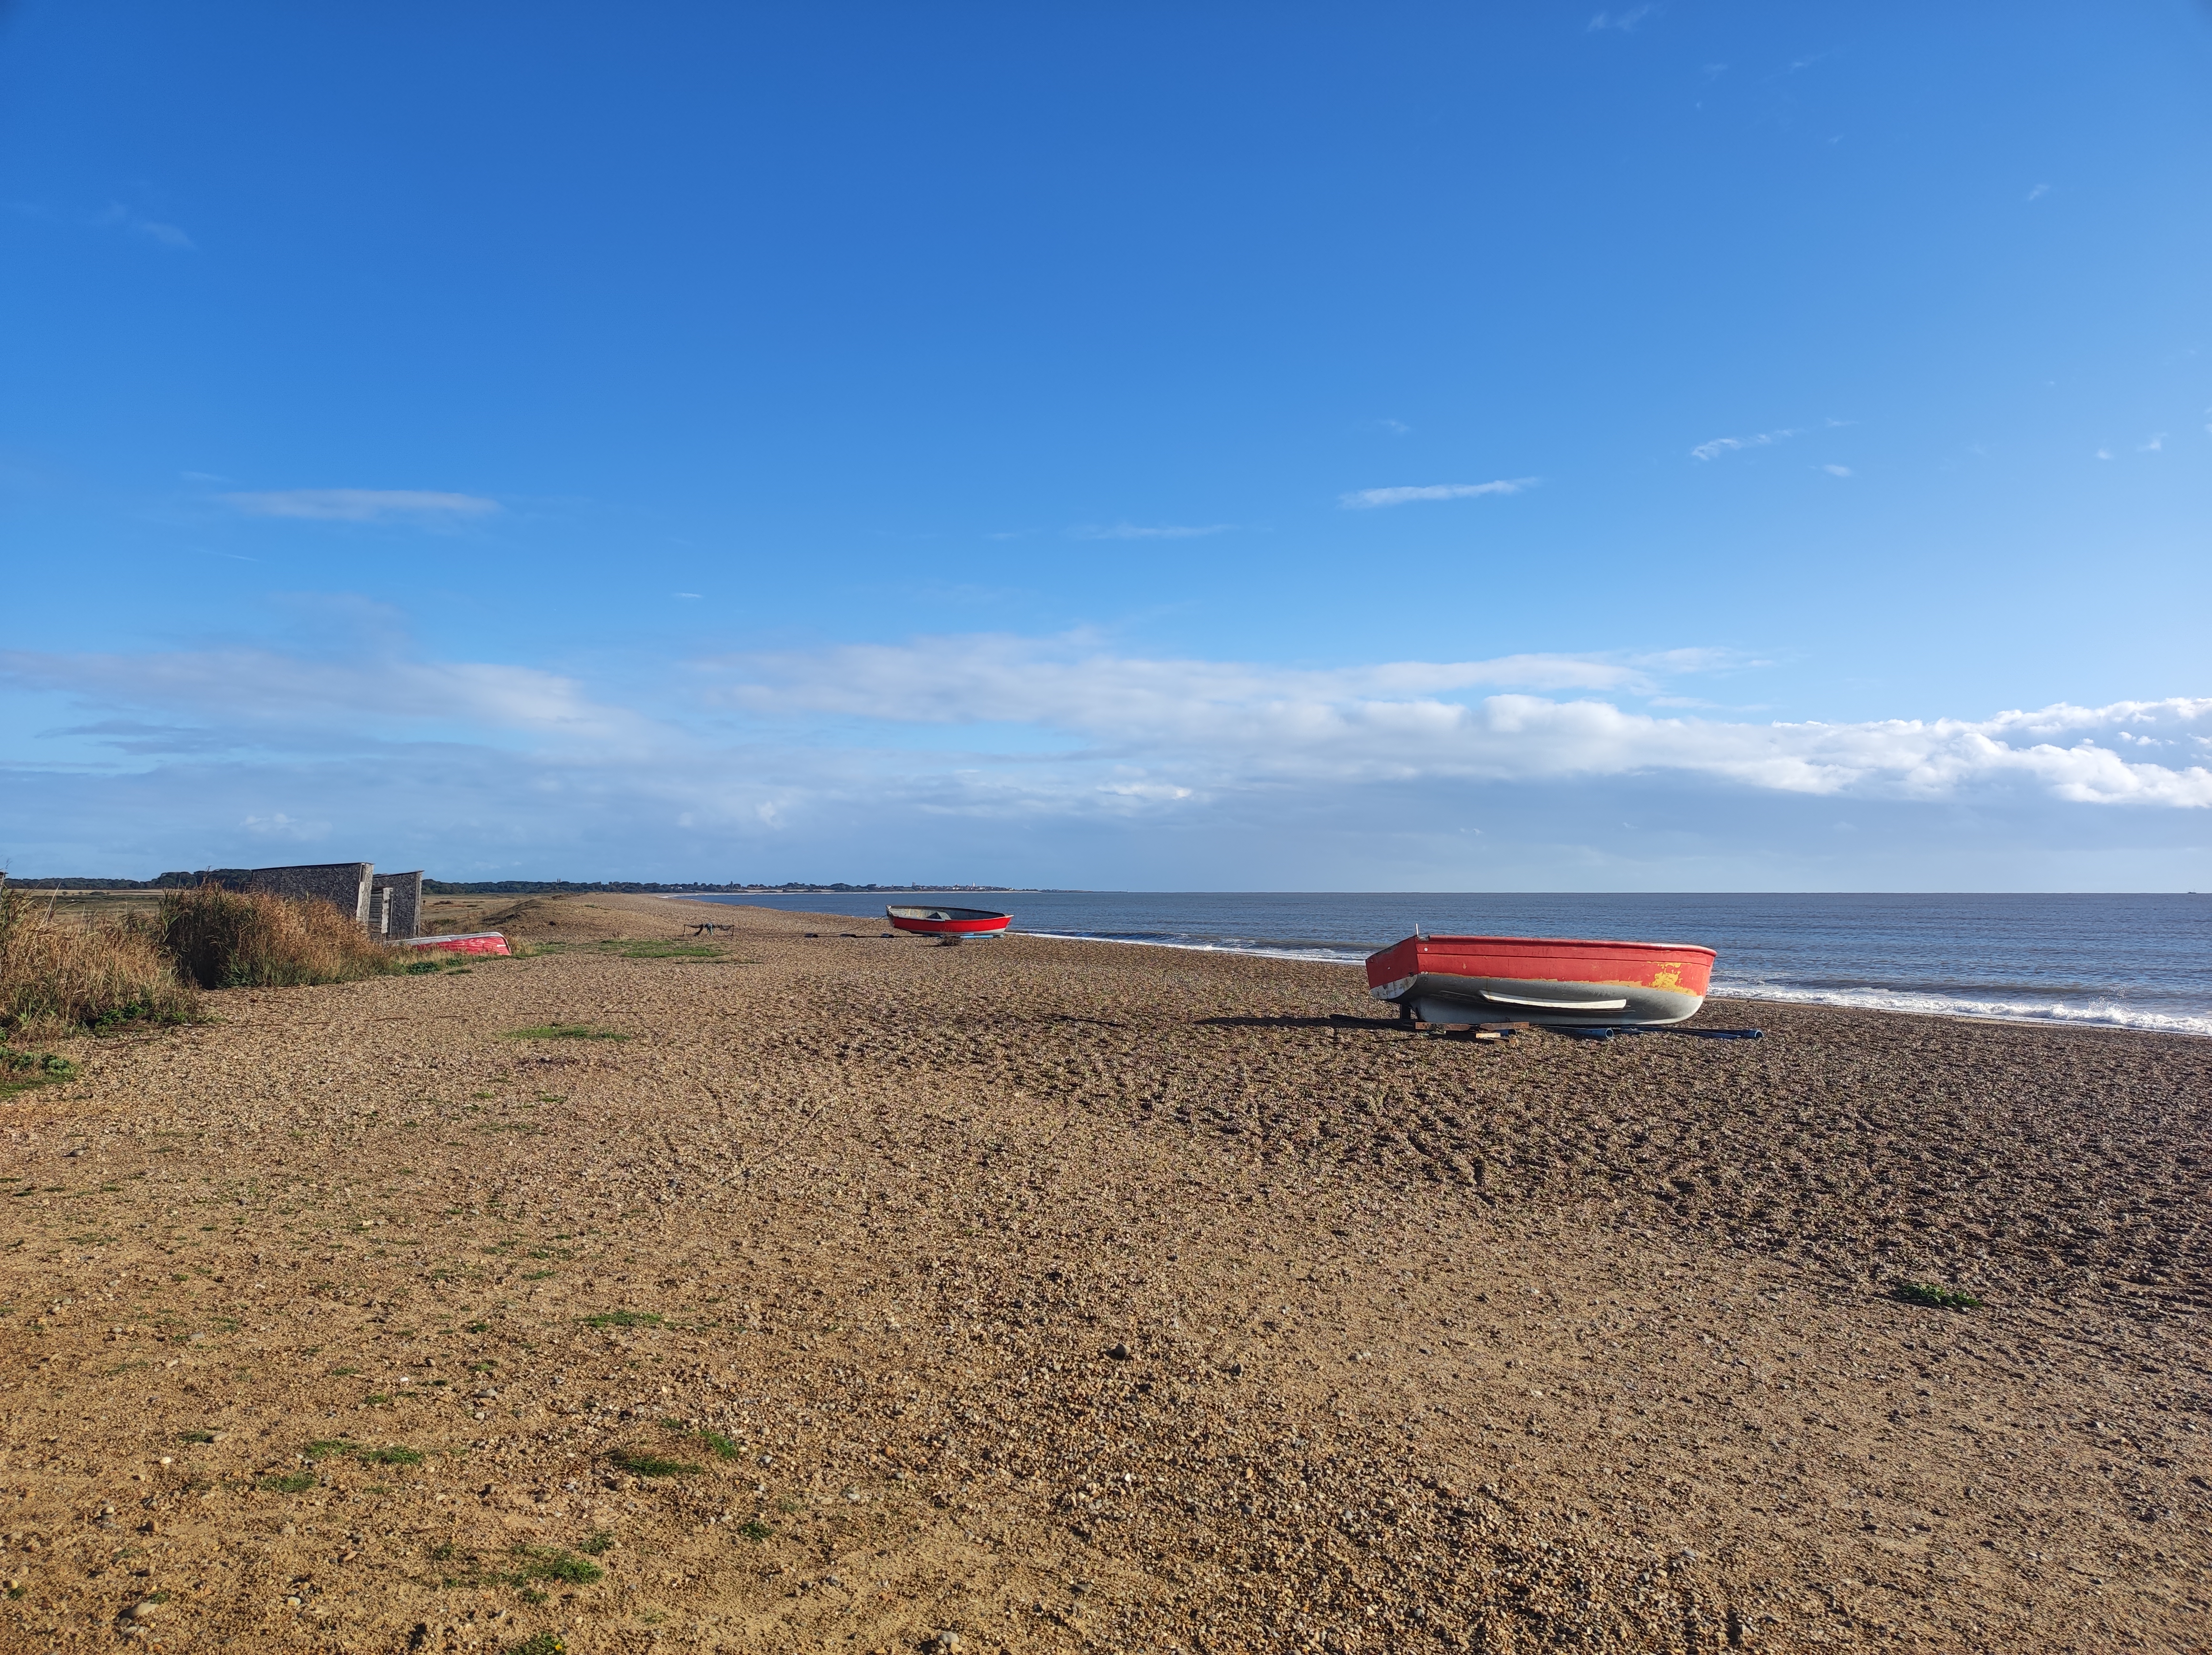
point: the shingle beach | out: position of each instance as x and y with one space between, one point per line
866 1294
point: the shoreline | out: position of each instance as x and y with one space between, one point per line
1314 957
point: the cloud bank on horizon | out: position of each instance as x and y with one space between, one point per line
768 755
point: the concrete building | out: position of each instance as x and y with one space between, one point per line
386 904
395 904
344 885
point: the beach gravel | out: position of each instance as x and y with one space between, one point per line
775 1291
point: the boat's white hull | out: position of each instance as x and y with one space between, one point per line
1443 997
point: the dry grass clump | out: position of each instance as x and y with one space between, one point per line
58 980
252 939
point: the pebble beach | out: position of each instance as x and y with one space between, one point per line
762 1290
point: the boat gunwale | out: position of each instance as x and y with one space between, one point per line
1555 942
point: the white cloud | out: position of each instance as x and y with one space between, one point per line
1147 531
278 825
360 505
993 680
1720 445
985 756
2104 453
1625 21
1367 499
1217 725
1838 470
2154 444
2039 192
266 687
120 217
1149 724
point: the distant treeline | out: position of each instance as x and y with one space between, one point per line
234 878
647 888
164 882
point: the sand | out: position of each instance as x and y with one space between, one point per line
1067 1296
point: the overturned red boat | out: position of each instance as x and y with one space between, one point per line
948 922
1553 981
472 942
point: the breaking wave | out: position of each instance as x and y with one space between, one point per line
1931 1003
1326 954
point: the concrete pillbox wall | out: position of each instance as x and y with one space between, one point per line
400 897
344 885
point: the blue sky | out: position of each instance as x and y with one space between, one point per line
1415 446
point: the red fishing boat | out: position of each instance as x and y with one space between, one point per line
948 922
1554 981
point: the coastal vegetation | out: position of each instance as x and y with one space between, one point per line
63 979
18 1070
222 938
1936 1296
640 1463
65 976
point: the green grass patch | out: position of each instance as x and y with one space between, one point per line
640 1464
1937 1295
563 1032
297 1483
551 1563
22 1069
195 1436
598 1543
533 1564
665 950
622 1318
540 1643
753 1529
714 1442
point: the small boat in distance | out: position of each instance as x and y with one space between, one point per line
948 922
1556 982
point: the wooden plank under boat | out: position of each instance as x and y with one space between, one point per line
948 922
1552 981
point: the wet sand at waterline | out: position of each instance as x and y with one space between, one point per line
1070 1296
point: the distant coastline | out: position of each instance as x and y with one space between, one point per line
514 887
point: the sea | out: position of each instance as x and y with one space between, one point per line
2114 962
